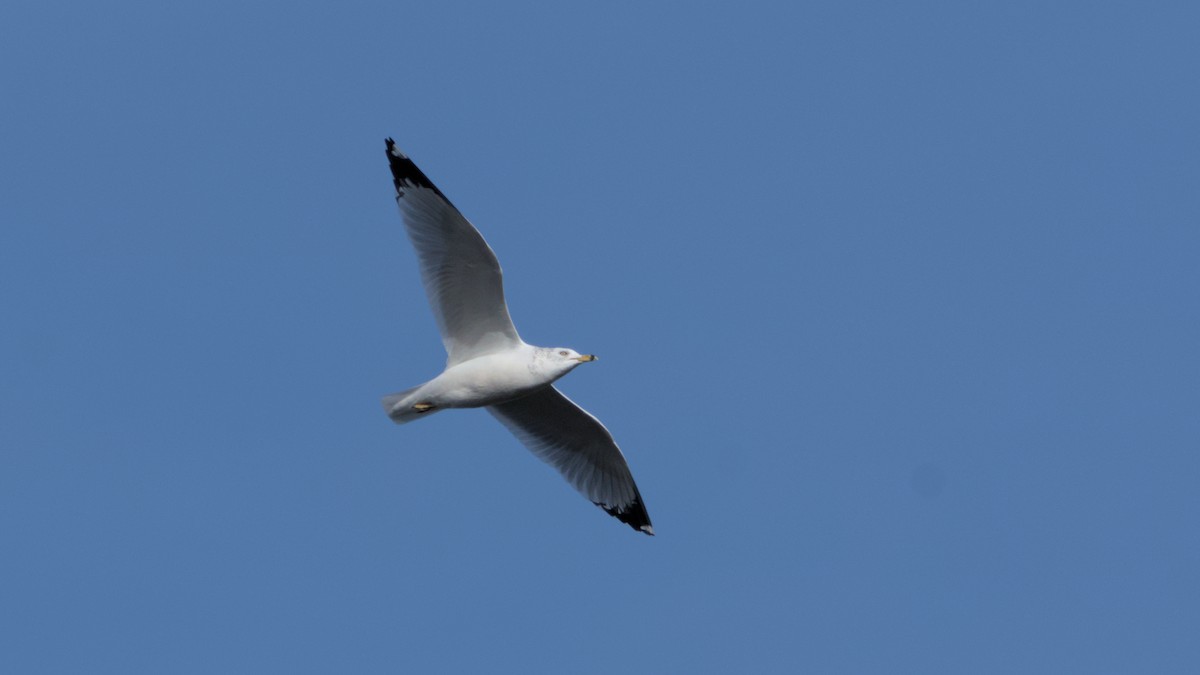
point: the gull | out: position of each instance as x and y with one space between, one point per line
489 366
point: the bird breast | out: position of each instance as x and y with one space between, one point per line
489 379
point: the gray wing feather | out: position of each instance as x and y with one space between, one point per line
571 440
461 275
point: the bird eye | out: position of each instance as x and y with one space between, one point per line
562 353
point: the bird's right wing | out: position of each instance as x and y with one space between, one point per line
460 272
571 440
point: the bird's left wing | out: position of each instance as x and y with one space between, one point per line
458 269
571 440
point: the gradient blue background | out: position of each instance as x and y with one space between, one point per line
896 305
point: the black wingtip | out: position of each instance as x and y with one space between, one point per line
633 515
405 173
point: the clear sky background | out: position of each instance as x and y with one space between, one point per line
896 305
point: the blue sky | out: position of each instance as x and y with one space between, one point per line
896 305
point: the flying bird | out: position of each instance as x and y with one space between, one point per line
489 366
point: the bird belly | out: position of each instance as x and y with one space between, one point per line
483 381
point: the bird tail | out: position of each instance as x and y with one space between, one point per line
400 408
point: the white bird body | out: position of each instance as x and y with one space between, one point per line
488 365
487 380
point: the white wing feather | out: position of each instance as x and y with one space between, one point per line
573 441
461 275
